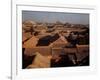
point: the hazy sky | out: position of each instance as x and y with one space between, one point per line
74 18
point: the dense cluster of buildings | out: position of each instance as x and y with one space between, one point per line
56 44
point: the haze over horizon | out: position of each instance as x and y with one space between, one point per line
52 17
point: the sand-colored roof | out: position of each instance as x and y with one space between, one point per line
26 36
60 42
40 61
31 42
